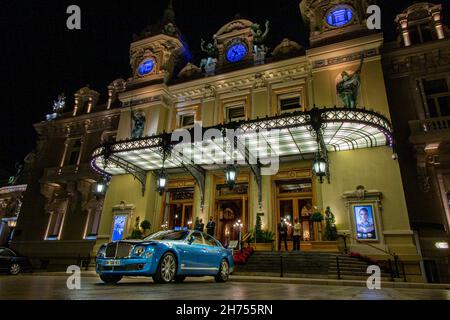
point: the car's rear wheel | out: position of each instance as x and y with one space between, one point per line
179 279
110 279
167 269
224 272
14 269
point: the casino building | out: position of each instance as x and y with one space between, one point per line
252 134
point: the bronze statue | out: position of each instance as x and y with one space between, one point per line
138 125
210 49
348 87
259 37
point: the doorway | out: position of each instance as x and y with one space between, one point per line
179 208
231 206
294 202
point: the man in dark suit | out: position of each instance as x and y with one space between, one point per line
282 234
210 227
201 226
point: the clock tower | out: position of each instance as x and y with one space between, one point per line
154 53
333 21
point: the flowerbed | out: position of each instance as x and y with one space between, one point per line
360 257
241 257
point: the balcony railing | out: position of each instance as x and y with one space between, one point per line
430 129
62 173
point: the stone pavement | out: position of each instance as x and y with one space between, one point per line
53 287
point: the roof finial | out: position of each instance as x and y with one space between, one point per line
169 13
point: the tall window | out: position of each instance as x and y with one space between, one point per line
235 113
421 33
289 103
92 224
56 221
437 97
186 121
73 153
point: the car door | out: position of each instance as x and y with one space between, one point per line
211 255
190 263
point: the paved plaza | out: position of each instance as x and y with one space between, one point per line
48 287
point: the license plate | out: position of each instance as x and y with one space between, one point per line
113 263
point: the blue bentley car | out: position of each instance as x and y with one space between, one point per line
166 256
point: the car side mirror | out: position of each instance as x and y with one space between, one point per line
191 240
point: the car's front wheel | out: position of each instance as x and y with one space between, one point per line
14 269
167 269
110 279
224 272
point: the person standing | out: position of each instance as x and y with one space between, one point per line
282 234
196 224
297 234
210 227
201 226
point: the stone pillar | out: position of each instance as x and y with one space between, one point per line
438 25
405 32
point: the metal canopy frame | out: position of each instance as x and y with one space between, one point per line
317 130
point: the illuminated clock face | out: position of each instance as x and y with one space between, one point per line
236 52
339 17
146 67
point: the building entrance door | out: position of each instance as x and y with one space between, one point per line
180 216
230 213
179 207
294 202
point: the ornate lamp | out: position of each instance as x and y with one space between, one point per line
12 224
319 167
161 182
100 188
230 176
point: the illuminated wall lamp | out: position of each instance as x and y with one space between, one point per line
441 245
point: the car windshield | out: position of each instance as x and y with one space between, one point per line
168 235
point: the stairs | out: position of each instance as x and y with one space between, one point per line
317 265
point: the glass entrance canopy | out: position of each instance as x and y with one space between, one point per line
247 142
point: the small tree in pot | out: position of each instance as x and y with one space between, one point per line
331 233
145 227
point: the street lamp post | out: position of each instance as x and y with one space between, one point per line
239 226
12 223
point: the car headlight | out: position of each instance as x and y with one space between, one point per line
101 252
139 251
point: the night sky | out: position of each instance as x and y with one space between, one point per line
42 58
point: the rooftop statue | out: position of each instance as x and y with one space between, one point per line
138 125
259 37
60 104
348 87
211 50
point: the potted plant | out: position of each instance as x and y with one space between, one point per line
331 233
136 234
145 227
261 239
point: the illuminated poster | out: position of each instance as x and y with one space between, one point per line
119 227
365 223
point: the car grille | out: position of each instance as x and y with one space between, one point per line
130 267
118 250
